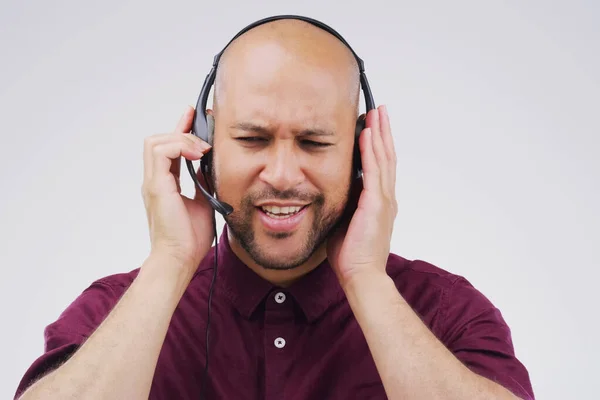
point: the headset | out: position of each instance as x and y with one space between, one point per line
203 127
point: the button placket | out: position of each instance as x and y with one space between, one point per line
279 337
279 299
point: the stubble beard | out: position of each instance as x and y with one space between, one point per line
326 218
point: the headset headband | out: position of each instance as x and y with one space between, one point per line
312 21
210 77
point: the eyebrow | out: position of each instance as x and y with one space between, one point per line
250 127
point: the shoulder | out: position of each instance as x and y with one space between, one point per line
76 323
400 268
423 276
117 282
449 298
425 286
452 307
80 318
96 300
463 319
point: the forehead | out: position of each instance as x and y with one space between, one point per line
272 83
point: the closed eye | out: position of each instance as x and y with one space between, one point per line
255 139
260 142
251 139
312 143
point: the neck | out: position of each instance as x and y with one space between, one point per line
281 278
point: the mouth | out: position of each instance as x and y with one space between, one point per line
281 212
282 218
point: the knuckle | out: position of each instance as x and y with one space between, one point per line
149 143
146 193
150 140
158 150
150 190
152 193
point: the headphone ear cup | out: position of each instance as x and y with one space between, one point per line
357 163
210 127
206 160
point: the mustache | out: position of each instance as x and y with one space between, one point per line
290 194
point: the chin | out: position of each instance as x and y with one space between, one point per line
281 251
276 263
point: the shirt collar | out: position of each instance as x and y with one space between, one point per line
314 293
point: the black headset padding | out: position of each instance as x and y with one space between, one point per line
202 126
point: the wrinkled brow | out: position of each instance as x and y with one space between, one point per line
251 127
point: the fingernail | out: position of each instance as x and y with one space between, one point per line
204 146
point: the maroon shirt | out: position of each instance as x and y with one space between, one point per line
300 342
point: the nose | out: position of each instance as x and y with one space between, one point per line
282 169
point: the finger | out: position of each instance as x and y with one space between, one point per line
197 143
369 163
148 145
160 153
161 138
175 169
186 138
388 144
374 123
378 148
164 154
386 133
184 125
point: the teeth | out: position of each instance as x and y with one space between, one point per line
278 212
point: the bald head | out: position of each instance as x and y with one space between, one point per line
289 51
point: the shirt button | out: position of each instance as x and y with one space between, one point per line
279 343
280 297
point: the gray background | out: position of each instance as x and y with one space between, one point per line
494 108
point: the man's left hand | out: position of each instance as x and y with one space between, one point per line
362 246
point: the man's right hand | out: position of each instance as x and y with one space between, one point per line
119 358
180 228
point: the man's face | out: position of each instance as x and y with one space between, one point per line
283 158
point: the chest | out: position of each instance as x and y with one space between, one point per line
276 355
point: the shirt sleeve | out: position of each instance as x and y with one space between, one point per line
74 325
476 333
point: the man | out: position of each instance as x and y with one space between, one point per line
308 303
